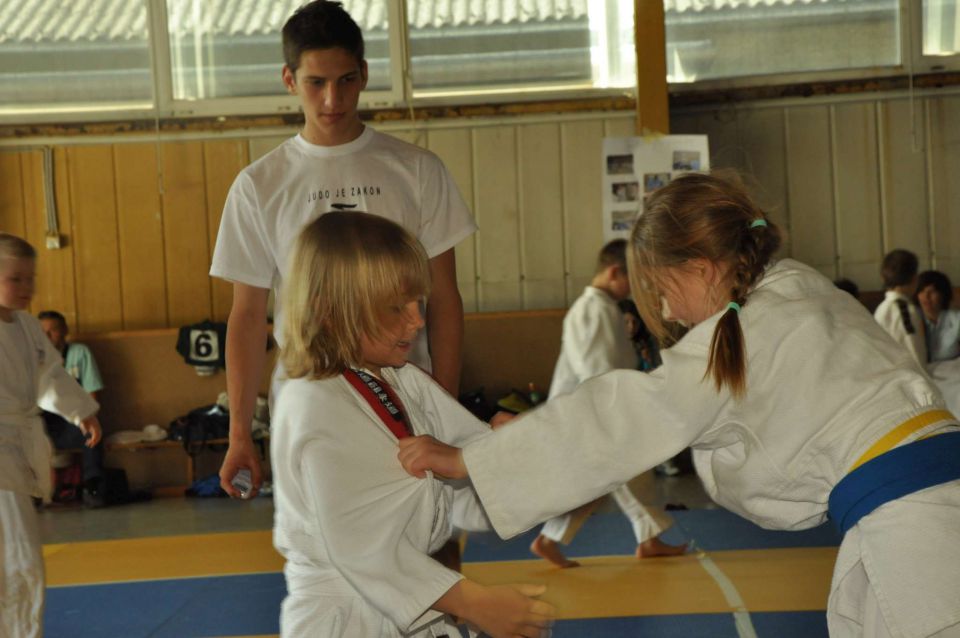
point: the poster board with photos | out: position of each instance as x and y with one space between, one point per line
634 167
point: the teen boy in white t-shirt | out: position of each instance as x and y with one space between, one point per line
335 163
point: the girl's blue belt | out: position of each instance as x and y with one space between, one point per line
883 474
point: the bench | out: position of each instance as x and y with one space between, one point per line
146 381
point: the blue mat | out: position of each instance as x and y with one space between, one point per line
609 533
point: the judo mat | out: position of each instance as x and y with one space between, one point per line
738 580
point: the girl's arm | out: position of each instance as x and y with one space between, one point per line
502 610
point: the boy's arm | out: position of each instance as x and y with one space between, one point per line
445 322
246 356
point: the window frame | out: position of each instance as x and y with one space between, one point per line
402 94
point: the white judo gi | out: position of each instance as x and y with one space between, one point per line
905 326
824 383
595 341
356 529
31 377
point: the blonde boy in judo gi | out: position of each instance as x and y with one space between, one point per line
31 377
355 529
798 407
595 341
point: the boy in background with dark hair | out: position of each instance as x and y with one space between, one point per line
898 316
80 364
595 341
334 163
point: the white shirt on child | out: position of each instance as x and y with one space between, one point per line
594 341
276 196
356 529
889 315
32 377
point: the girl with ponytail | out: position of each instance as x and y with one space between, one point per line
798 406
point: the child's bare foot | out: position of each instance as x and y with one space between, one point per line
653 547
548 550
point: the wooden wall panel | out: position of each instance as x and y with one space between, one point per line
186 243
56 289
764 164
495 206
944 143
12 213
904 179
454 147
858 193
260 146
810 186
96 247
619 127
222 162
541 216
580 150
140 231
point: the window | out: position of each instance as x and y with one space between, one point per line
941 35
458 46
720 39
73 55
214 54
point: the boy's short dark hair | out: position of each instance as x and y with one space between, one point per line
53 315
899 268
939 281
614 253
849 286
320 24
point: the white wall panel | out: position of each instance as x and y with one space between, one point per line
495 206
810 187
454 148
857 187
903 174
944 143
581 144
541 216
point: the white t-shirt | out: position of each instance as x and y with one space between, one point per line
276 196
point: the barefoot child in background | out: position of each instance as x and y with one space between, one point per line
798 407
595 341
31 377
355 529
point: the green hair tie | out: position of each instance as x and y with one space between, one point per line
733 305
758 222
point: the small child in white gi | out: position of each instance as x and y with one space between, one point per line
31 377
897 313
356 530
595 341
797 405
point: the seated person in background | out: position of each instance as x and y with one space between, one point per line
595 341
79 364
848 285
942 324
898 316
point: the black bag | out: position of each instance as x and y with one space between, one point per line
199 426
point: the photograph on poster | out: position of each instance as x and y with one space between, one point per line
686 161
620 164
625 191
623 219
653 181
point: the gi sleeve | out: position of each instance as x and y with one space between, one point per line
364 508
57 391
242 253
445 220
582 445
